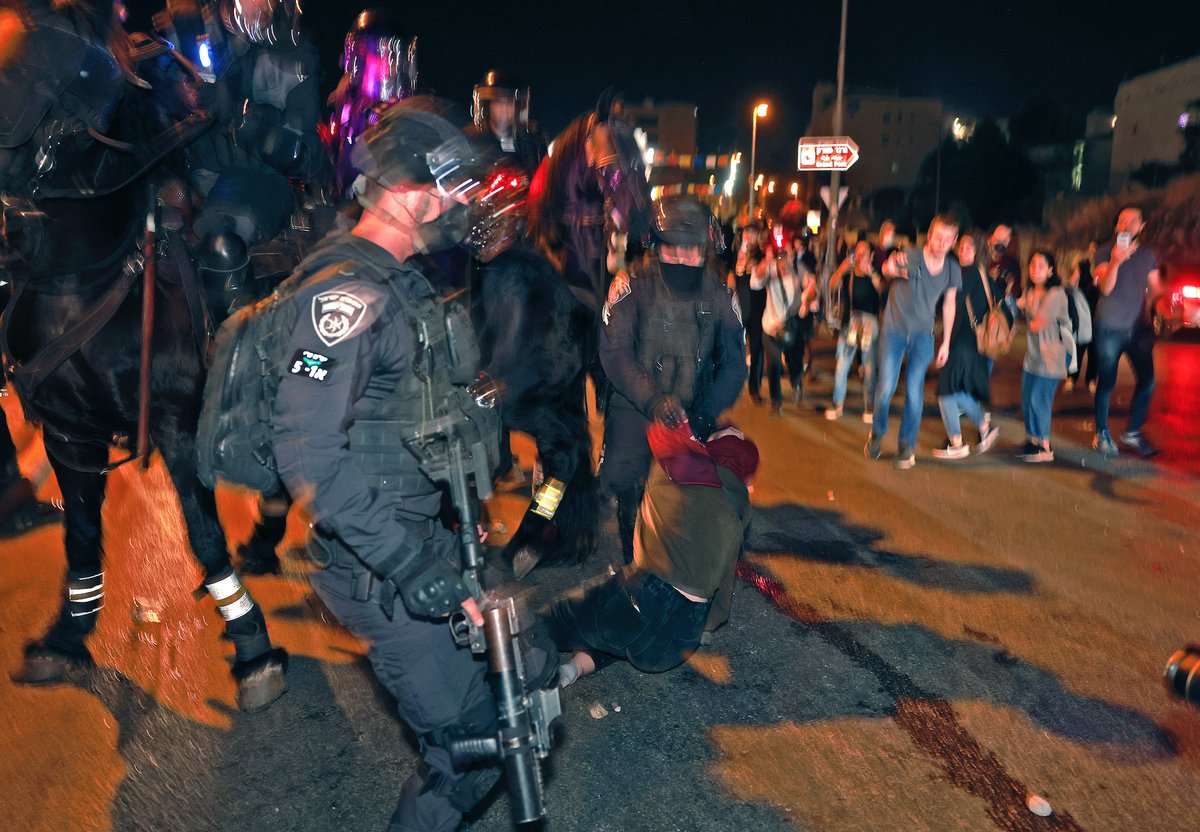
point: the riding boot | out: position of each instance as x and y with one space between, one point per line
629 500
257 554
50 658
258 669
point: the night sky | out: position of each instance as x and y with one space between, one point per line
981 58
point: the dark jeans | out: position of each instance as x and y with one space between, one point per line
633 615
1138 344
753 302
624 464
776 355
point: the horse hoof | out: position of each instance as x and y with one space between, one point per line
258 562
261 681
524 562
46 666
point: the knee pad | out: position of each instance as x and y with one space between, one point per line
223 265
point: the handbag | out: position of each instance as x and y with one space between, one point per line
993 334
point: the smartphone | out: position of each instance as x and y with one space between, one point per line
1124 239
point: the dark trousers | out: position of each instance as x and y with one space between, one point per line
776 356
633 615
436 684
625 464
1138 344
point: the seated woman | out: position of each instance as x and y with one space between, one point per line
688 536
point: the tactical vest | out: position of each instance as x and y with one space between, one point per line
676 337
405 443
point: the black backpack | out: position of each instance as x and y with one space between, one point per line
233 438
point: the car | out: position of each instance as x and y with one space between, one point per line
1178 307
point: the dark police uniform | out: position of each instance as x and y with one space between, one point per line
663 337
348 390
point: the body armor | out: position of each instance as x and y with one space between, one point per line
676 337
405 444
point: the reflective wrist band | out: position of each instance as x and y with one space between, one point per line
547 498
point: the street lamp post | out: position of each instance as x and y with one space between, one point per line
760 111
835 181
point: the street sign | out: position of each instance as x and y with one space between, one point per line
827 153
842 191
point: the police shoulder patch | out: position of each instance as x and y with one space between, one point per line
311 364
617 291
336 315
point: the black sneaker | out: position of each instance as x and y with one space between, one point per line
1042 455
905 459
874 447
1029 449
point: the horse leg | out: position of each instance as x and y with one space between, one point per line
258 669
257 555
560 525
48 659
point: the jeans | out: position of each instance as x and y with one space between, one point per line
776 355
1037 402
918 347
866 339
633 615
1138 344
958 404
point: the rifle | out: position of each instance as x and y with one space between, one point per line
454 450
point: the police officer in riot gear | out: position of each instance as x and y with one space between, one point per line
260 86
672 345
500 113
374 358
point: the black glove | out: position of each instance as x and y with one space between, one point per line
703 426
667 411
433 591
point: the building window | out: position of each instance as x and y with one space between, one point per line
885 138
899 117
912 118
887 116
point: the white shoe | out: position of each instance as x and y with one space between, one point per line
868 418
833 413
952 451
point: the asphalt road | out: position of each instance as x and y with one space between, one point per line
918 650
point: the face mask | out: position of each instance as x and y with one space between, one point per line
447 230
1000 248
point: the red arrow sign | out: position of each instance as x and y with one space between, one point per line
827 153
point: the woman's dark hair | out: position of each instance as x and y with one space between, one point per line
1054 279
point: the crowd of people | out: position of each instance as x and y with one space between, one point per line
884 300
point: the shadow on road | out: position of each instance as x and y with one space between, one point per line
823 536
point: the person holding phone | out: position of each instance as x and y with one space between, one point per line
1128 278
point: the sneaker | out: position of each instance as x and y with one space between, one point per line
1103 443
777 409
568 674
952 450
797 394
905 459
1029 449
988 435
1041 455
1069 386
868 418
833 413
1134 440
873 449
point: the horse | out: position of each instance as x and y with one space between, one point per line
80 241
537 309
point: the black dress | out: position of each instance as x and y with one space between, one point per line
966 371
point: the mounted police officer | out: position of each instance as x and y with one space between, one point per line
374 358
260 79
500 112
672 345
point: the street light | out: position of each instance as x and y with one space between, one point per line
771 187
760 111
795 189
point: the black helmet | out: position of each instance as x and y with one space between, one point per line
415 141
379 60
682 221
497 84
